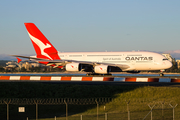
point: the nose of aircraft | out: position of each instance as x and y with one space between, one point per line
168 64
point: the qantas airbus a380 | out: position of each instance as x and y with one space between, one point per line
94 62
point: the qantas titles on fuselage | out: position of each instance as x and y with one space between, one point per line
132 58
139 58
96 62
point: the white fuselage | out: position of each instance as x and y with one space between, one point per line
135 60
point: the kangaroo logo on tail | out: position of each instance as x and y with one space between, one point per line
43 48
41 45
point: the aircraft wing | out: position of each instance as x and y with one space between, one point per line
30 58
63 62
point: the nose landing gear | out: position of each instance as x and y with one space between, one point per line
161 73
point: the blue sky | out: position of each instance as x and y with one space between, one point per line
92 25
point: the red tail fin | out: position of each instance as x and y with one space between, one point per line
43 48
18 60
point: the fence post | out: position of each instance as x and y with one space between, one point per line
151 110
55 118
173 109
128 109
66 109
36 102
8 102
105 116
7 111
81 117
36 111
97 108
162 109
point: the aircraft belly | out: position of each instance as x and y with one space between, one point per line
144 66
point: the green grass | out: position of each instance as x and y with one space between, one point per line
139 99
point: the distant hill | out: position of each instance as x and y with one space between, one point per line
7 57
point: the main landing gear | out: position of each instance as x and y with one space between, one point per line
96 74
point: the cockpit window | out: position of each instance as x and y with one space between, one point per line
165 59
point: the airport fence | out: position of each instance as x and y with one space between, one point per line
88 109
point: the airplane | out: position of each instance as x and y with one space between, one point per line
93 62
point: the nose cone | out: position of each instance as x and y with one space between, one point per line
168 64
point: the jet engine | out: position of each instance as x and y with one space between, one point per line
102 69
73 67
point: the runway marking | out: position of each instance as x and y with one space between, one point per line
164 80
66 78
175 80
86 78
153 80
4 77
48 78
55 78
97 78
14 78
108 79
25 78
35 77
119 79
141 79
76 79
130 79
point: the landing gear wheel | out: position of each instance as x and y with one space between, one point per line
96 74
161 74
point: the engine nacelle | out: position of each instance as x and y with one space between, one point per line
72 67
101 69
